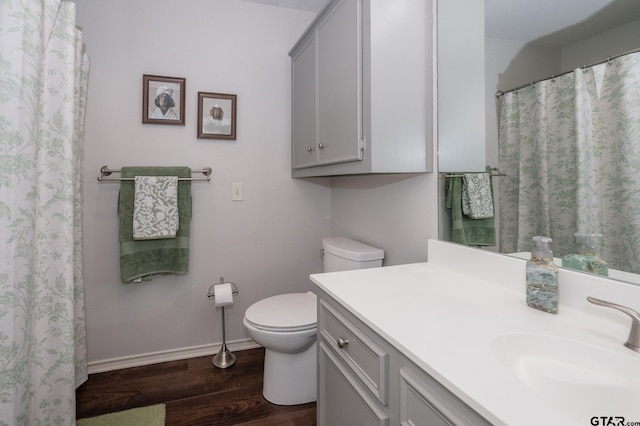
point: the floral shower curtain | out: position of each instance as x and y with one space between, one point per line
570 147
43 93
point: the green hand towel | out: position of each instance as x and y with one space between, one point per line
142 258
471 232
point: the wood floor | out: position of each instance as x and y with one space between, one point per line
195 393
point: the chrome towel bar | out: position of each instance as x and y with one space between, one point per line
494 170
106 171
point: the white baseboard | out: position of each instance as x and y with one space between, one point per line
168 355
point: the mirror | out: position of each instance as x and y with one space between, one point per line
528 41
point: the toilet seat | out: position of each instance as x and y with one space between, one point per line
284 313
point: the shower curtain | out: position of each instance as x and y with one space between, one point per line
43 93
570 147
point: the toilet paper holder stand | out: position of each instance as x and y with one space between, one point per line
224 358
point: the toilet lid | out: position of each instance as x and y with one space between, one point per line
293 311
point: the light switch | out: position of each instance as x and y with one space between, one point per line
237 192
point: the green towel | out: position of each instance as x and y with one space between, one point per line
471 232
142 258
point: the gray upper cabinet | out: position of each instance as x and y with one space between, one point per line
304 101
362 90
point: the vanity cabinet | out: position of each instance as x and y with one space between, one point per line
341 399
362 90
363 379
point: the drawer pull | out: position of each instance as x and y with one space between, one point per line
342 342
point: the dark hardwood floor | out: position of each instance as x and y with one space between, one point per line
194 392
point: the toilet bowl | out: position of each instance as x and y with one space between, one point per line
286 326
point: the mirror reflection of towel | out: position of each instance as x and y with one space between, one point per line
471 232
477 199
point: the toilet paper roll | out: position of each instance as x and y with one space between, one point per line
223 294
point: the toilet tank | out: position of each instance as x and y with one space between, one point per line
343 254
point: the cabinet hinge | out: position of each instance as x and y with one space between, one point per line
363 144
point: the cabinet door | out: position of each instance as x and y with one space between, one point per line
339 44
424 401
303 112
341 402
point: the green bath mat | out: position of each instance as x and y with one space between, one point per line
152 415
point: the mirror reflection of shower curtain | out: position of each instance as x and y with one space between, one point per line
570 147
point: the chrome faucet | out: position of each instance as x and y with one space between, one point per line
633 342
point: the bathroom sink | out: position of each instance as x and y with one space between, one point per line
581 379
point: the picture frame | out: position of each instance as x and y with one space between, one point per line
163 100
217 116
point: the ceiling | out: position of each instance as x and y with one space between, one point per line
552 23
308 5
556 23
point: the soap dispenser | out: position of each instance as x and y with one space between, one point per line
542 277
585 256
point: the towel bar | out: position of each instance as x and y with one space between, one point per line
494 169
105 171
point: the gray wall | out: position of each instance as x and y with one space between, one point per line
395 213
460 86
599 47
267 244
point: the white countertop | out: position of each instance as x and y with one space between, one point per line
445 321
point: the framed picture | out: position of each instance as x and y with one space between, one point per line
163 100
216 116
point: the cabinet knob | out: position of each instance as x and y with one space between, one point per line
342 342
309 148
322 146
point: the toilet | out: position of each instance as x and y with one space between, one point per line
286 324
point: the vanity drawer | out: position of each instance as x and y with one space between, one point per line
368 361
